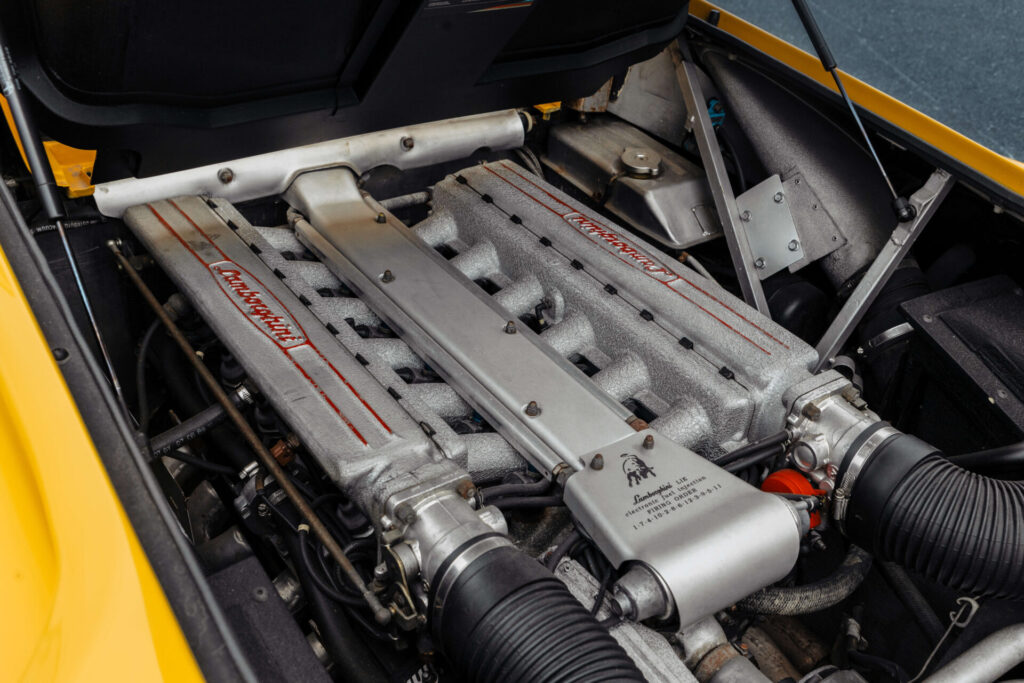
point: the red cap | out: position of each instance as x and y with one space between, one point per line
791 481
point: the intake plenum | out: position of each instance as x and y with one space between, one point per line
911 505
505 617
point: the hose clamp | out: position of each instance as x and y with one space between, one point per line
459 563
841 496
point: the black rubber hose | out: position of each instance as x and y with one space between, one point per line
506 618
812 597
526 502
754 447
140 377
490 493
177 373
913 506
180 434
351 657
909 594
563 548
1004 462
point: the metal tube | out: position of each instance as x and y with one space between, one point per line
721 189
49 196
380 613
987 660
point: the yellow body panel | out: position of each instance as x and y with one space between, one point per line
80 600
1005 171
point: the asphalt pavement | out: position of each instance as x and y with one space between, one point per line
960 63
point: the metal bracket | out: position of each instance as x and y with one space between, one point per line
771 232
721 189
926 201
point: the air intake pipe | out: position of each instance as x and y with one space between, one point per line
504 617
903 499
496 613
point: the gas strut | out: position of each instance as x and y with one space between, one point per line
46 186
901 205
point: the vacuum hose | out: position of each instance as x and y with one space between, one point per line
913 506
507 618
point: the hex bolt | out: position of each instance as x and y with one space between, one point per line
532 409
408 143
649 442
510 327
262 510
745 216
388 276
225 175
466 489
793 245
597 462
380 572
405 513
778 197
759 263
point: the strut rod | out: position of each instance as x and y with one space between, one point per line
380 613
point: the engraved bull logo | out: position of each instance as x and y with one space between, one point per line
635 469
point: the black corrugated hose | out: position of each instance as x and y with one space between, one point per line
913 506
507 618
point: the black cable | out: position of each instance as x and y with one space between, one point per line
201 464
527 502
325 588
140 377
753 447
752 459
563 548
606 584
489 493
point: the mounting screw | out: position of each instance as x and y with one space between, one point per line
778 197
759 263
510 327
225 175
793 245
380 572
260 594
405 513
597 462
532 409
745 216
381 218
466 489
649 442
408 143
387 276
262 510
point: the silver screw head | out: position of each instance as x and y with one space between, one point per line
745 216
759 263
778 197
793 245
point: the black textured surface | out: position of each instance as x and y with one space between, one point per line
507 618
270 638
961 529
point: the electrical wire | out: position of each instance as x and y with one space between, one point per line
140 377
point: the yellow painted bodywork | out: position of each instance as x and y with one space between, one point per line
1002 170
80 600
72 167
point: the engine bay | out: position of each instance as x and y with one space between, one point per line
654 386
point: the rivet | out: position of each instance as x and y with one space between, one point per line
225 175
408 143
